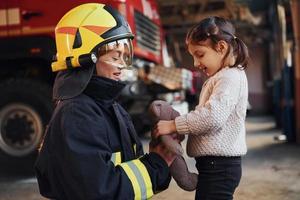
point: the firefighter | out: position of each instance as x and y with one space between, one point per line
91 149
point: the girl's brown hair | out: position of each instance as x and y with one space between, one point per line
216 29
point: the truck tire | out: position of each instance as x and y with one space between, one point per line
25 109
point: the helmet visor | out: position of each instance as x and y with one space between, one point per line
118 53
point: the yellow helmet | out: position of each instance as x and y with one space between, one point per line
83 30
81 35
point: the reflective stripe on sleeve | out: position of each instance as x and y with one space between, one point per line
134 149
116 158
147 180
139 177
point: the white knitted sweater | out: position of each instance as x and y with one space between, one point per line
217 125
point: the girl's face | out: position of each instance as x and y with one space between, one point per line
206 58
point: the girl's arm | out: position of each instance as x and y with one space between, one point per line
216 110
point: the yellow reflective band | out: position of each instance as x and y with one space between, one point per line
146 177
116 158
134 149
133 180
139 178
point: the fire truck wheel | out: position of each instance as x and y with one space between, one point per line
25 108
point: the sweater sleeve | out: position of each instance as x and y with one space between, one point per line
214 113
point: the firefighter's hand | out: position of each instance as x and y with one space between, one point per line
164 127
161 150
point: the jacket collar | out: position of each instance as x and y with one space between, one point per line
102 88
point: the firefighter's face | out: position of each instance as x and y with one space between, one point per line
113 57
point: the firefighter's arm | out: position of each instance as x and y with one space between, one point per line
156 164
148 175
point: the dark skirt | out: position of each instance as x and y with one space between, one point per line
218 177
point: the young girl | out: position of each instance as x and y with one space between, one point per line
216 128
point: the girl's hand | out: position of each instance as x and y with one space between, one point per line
164 127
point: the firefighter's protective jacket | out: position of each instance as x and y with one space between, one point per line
91 151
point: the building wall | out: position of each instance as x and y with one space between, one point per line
260 91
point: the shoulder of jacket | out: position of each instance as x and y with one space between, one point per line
82 102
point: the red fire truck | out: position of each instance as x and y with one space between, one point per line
26 48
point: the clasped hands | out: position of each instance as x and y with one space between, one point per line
164 127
